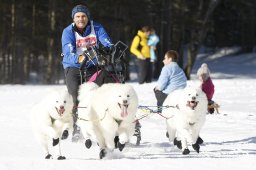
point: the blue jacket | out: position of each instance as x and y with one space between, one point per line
172 77
152 41
68 40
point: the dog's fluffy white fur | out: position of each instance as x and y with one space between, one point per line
88 120
50 118
112 110
187 112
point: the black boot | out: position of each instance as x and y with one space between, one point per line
49 156
64 135
186 151
196 147
177 143
116 140
88 143
199 140
120 146
103 153
61 158
167 134
137 132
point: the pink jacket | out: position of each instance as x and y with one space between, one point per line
208 88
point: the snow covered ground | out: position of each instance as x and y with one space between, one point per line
229 137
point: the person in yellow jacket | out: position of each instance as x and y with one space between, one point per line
141 50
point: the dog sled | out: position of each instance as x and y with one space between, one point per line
111 65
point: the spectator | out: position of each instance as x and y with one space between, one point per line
172 77
140 49
76 38
152 42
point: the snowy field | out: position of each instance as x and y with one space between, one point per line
229 137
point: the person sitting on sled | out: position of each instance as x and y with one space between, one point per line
171 78
203 74
79 36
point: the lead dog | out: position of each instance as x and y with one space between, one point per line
52 119
114 105
88 120
186 116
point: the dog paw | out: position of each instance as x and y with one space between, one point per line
88 143
116 140
186 151
64 135
199 141
196 147
102 153
61 158
138 140
120 146
55 141
49 156
177 143
167 134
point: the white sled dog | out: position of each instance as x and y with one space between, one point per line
52 119
187 112
87 120
115 106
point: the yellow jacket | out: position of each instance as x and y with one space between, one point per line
141 38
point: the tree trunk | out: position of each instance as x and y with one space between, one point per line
12 57
50 41
198 36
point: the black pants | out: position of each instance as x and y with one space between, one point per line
160 97
145 71
74 78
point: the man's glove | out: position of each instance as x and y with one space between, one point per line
107 50
81 58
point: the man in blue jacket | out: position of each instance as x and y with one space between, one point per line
82 34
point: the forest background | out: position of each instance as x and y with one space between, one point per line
30 31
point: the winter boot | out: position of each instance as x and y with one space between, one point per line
76 135
177 143
167 134
137 132
199 141
88 143
64 134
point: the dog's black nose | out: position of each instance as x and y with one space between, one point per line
193 98
61 107
125 101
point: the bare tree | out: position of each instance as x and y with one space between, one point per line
198 33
